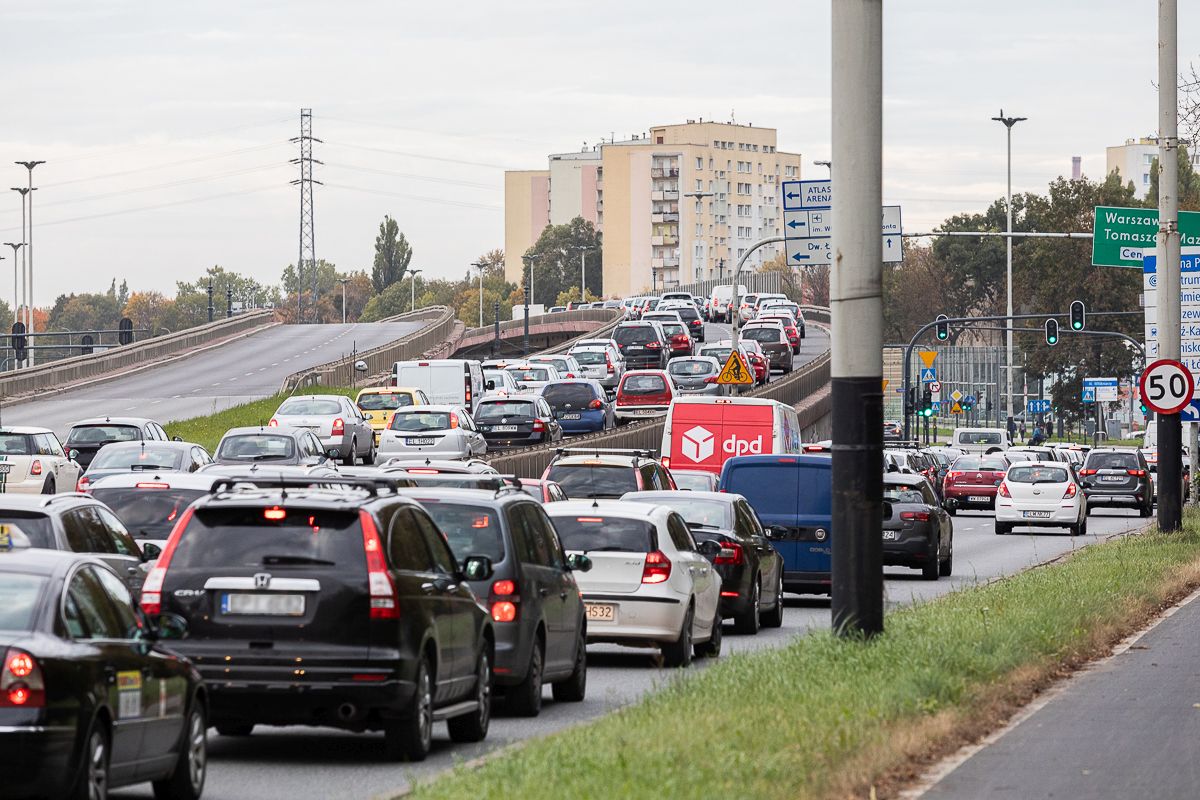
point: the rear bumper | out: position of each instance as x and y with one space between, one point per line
640 412
388 449
1060 515
31 485
1131 498
500 441
36 761
639 619
308 703
588 423
911 549
961 497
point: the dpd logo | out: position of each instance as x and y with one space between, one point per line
737 446
697 444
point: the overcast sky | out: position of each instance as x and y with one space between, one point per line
166 126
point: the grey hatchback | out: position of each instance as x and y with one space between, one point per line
1117 477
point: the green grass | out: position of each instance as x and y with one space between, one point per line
823 718
208 430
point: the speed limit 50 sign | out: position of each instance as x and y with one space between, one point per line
1167 386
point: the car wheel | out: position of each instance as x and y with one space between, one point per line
235 730
525 699
773 617
369 459
191 768
929 571
574 688
351 454
1147 511
1003 528
49 487
410 738
473 727
711 648
92 782
947 566
679 652
746 623
952 511
1080 529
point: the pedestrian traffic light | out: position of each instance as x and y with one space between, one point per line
927 403
943 329
1051 332
1078 315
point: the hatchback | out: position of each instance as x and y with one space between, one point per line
644 345
774 342
696 375
789 328
531 377
33 462
566 365
499 382
690 316
678 339
606 472
378 403
275 446
520 420
336 422
439 431
1040 494
600 362
917 531
87 436
1117 477
580 406
140 457
972 481
644 393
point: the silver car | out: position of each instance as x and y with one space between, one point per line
602 362
695 375
532 377
566 365
442 431
335 421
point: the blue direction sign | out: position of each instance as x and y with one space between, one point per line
969 400
1089 394
1190 412
928 375
803 195
1037 406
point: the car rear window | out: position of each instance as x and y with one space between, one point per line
257 447
148 513
413 421
578 395
719 353
531 374
36 526
599 533
902 494
679 367
687 312
1037 475
471 530
18 600
761 334
1112 461
136 457
978 437
593 480
694 481
643 384
384 402
102 434
674 329
308 406
508 408
589 356
969 463
245 537
706 513
16 444
636 335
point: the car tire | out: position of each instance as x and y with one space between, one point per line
711 648
773 617
574 688
409 738
525 699
351 454
931 567
473 727
747 622
240 729
92 780
191 768
1003 528
952 511
49 486
946 566
369 458
1146 511
678 654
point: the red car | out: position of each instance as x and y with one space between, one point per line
680 340
972 481
759 361
644 393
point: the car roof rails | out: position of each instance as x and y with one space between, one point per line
620 451
369 485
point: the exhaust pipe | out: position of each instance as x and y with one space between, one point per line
346 712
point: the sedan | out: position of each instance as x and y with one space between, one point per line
122 458
644 393
695 375
440 431
580 406
917 532
521 420
1041 494
972 482
335 421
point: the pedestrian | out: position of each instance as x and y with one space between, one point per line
1022 429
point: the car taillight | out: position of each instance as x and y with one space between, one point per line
608 363
657 568
21 683
504 610
952 476
711 379
919 516
36 467
274 423
653 345
1003 490
731 553
152 587
666 461
538 426
1070 492
384 602
596 404
1087 472
339 427
82 484
680 340
1137 473
453 420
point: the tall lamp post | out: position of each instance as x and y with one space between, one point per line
827 164
583 251
528 259
343 282
1008 401
698 196
412 273
22 304
479 265
16 246
29 165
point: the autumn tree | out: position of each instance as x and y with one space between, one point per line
392 255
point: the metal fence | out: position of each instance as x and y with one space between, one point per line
753 281
971 370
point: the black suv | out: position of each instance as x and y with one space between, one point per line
541 635
643 345
598 472
1117 477
339 606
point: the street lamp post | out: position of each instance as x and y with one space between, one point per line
528 259
16 246
479 265
343 282
413 302
29 165
827 164
583 251
22 305
1008 402
698 196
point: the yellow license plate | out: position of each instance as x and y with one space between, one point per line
601 612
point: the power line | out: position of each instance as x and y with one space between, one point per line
411 176
418 155
142 146
387 126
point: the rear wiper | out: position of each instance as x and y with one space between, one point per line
139 467
283 560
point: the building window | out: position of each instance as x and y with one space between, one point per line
1146 179
699 162
710 162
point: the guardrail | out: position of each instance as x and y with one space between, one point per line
512 330
341 372
71 372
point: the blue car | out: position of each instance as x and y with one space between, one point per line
580 405
793 497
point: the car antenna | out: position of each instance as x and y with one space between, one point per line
595 503
282 489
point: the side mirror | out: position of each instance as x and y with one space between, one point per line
477 568
331 453
176 438
150 551
170 627
578 562
709 548
776 532
360 366
73 455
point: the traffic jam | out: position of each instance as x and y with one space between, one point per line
358 564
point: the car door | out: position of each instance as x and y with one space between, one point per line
66 472
86 533
542 580
751 533
476 444
705 586
571 612
942 519
124 544
459 607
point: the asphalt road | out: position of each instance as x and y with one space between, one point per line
237 372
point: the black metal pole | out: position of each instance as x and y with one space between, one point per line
228 302
496 322
525 347
210 301
1170 472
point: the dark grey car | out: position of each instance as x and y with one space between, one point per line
774 342
1117 477
268 444
695 374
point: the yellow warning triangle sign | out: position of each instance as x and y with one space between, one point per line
736 371
927 357
957 409
885 383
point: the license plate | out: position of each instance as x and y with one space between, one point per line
423 441
504 428
1036 514
5 468
1112 478
571 416
600 612
979 499
282 605
646 411
891 535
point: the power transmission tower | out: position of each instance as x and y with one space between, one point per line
308 250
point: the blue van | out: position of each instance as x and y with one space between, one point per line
793 497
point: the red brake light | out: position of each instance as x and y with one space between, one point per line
504 588
657 568
81 485
384 602
1087 472
152 485
1070 492
21 681
274 423
1137 473
589 519
423 471
653 345
453 419
152 587
952 476
274 513
731 553
920 516
1003 490
666 461
538 426
504 611
339 427
711 379
36 467
596 404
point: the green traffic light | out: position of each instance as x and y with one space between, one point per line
1077 325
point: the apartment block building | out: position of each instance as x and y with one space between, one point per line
680 204
1133 160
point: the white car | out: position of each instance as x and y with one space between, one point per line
1040 494
566 365
32 461
601 361
532 377
432 431
649 585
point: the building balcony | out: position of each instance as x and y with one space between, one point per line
664 172
669 217
664 241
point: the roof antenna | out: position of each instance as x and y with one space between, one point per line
595 503
282 489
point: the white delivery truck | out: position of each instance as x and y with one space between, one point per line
445 381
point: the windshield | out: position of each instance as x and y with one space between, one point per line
507 408
470 530
244 537
123 456
18 600
721 354
414 421
635 335
575 395
902 494
589 356
16 444
102 434
308 406
35 526
588 480
384 402
691 368
605 533
761 334
148 513
257 447
1037 475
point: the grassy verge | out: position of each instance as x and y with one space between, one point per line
209 429
823 718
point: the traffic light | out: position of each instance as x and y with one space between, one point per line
927 403
1078 315
910 402
943 329
125 331
1052 332
19 341
966 403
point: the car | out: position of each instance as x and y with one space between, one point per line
650 584
532 377
32 461
277 445
566 364
445 381
1043 453
892 430
498 382
596 472
720 300
140 457
436 430
555 309
149 504
600 362
759 361
1041 494
751 569
532 596
774 342
1151 456
349 583
690 316
644 345
695 480
93 699
972 480
542 491
1117 477
519 420
377 403
917 531
694 375
789 328
746 303
679 341
87 436
336 422
580 405
644 393
720 350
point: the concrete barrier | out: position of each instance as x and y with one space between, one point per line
582 322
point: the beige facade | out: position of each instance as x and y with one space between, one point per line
526 214
1133 160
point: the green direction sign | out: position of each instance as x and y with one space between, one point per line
1119 234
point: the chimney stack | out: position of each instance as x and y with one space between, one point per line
1076 167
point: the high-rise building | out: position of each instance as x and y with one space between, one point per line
678 205
1133 161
